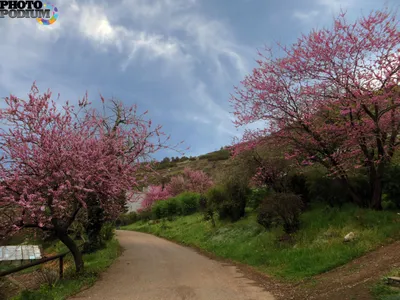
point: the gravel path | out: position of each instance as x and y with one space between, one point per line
151 268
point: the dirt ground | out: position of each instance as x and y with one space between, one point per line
151 268
349 282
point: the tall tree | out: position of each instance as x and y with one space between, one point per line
333 96
55 161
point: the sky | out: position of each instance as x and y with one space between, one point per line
179 59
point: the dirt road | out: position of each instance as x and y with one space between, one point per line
151 268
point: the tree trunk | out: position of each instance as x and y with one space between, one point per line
376 201
71 245
376 182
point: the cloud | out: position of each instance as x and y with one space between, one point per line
306 16
175 41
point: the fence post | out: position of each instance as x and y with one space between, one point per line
61 266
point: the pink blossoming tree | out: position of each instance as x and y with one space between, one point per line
55 161
190 181
333 97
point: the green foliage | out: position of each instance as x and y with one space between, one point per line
257 196
107 232
188 202
382 291
95 263
166 165
159 209
144 215
126 219
391 183
184 204
217 200
297 184
328 190
318 245
229 199
281 208
216 155
238 193
172 207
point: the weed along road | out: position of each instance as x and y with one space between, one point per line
151 268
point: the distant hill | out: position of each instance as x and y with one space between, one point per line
214 164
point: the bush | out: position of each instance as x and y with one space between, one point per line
107 232
172 207
188 202
127 219
328 190
257 196
238 194
159 209
284 208
229 200
144 214
391 185
217 201
297 184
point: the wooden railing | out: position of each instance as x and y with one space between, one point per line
39 262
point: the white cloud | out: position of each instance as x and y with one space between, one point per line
174 32
306 16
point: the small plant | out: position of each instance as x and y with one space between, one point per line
48 275
107 231
206 209
284 208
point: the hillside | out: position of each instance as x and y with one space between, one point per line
215 164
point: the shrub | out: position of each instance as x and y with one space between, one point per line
328 190
159 209
391 186
238 194
284 208
144 214
257 196
229 200
126 219
172 207
297 184
207 209
166 208
217 201
188 202
107 232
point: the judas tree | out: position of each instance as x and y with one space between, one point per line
55 159
195 181
333 97
119 122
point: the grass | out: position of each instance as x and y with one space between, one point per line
382 291
318 246
95 263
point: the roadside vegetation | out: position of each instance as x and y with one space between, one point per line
383 291
317 247
72 283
